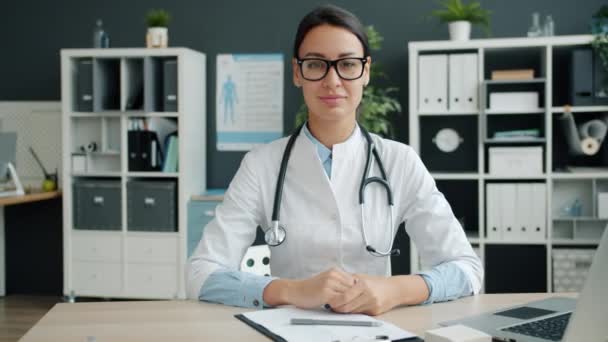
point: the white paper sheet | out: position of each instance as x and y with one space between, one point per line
277 321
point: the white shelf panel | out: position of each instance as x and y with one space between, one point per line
575 242
487 176
516 141
96 174
579 109
152 114
153 174
441 113
579 175
533 80
515 242
449 176
501 43
579 218
96 114
514 112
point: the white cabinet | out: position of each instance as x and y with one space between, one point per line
125 112
509 179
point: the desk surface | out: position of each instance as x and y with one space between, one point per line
29 197
198 321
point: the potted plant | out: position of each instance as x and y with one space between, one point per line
377 104
158 34
461 16
599 22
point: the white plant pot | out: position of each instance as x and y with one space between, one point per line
157 37
460 30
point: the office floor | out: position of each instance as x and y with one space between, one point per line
18 313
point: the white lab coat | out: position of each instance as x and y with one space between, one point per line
322 215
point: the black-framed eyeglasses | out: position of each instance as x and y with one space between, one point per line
314 69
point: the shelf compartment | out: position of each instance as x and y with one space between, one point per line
463 158
160 74
106 84
496 124
563 158
151 143
463 199
82 80
152 205
97 204
132 98
97 141
565 192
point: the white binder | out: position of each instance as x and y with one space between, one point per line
463 82
539 222
509 214
493 213
524 208
432 83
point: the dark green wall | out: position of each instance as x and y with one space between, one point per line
34 31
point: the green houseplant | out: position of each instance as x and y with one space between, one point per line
460 17
377 104
158 34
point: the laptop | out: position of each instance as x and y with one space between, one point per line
555 318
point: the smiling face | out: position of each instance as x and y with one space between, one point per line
331 98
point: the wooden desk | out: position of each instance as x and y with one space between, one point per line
14 200
198 321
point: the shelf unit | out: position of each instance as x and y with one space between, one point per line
546 56
125 256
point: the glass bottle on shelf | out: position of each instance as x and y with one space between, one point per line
535 30
100 36
549 26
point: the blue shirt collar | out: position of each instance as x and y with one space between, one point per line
322 150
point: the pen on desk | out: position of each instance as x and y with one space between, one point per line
308 321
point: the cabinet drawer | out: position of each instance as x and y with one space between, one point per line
153 281
152 249
96 278
97 248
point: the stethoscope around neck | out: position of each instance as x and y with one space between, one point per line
276 234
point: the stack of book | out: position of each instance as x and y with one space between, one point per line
513 74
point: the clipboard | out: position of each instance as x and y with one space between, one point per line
262 330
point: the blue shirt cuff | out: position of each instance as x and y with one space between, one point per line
446 282
235 288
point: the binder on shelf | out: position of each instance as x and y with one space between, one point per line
433 83
171 155
581 77
170 85
524 210
463 82
508 209
84 85
493 213
539 222
144 151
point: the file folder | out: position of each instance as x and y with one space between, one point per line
433 83
144 151
524 209
463 82
84 85
539 220
493 213
170 85
508 211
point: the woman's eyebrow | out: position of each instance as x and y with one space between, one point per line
320 55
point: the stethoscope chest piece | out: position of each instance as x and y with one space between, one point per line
275 236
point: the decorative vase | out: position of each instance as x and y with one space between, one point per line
157 37
460 30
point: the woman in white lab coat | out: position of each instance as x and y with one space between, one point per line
329 255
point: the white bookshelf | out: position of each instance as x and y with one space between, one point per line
561 232
129 263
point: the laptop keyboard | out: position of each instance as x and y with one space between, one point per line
551 328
